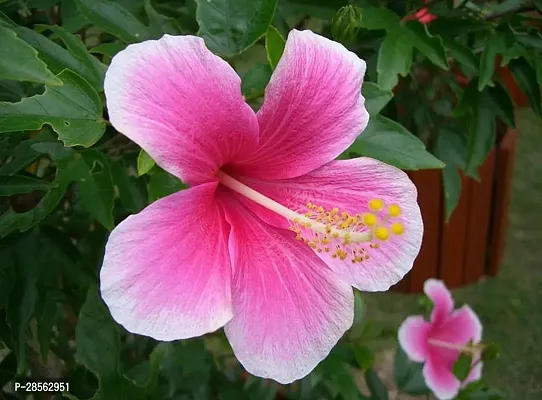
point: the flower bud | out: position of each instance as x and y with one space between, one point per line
345 24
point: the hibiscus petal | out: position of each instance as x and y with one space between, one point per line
440 379
475 373
350 185
461 326
442 300
313 108
413 336
180 103
166 271
289 308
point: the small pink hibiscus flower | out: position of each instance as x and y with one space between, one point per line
272 233
440 342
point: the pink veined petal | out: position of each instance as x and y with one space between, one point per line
313 109
475 373
440 379
442 300
413 335
290 309
180 103
350 185
166 271
460 327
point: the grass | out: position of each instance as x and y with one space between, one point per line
509 305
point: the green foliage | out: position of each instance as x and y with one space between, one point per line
435 98
274 46
229 27
23 63
78 121
407 375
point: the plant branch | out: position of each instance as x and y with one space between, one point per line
509 7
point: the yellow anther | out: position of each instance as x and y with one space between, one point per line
397 228
328 229
325 240
327 249
334 255
319 250
320 209
334 211
376 204
394 210
298 237
370 219
382 233
374 245
335 235
308 214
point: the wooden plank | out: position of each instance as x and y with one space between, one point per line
478 221
429 185
403 285
452 246
504 174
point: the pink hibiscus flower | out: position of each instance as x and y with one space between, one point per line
272 233
439 342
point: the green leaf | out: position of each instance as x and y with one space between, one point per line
45 321
255 80
58 58
73 110
144 163
492 47
97 190
162 184
376 18
429 45
90 169
377 388
11 221
21 303
451 182
364 357
451 148
274 46
462 366
394 57
491 352
108 49
501 104
114 19
525 76
230 27
132 191
375 97
23 154
14 184
160 24
482 132
390 142
71 18
77 49
20 61
97 338
463 55
408 376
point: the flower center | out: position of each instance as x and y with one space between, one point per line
342 234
